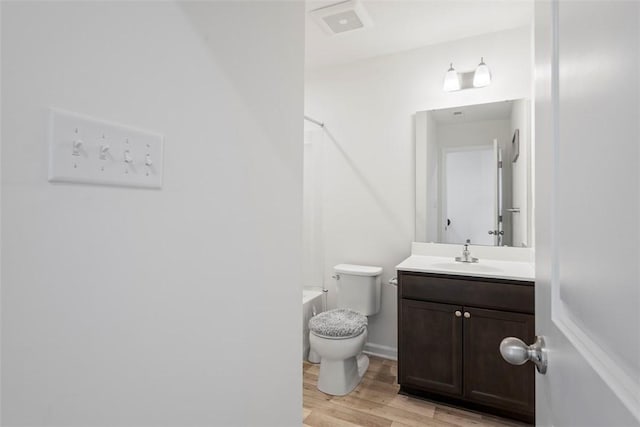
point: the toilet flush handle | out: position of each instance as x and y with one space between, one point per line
336 276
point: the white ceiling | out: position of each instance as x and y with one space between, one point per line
400 25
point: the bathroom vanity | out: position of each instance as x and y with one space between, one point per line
473 184
451 320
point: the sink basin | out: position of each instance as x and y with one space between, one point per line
463 266
508 269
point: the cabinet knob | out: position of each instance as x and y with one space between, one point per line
458 313
467 315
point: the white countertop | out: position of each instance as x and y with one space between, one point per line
491 268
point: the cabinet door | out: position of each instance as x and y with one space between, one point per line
488 379
430 346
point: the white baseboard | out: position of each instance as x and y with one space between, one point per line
383 351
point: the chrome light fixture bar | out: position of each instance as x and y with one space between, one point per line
454 81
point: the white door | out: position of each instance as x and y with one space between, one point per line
587 212
469 194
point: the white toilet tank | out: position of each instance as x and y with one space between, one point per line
358 288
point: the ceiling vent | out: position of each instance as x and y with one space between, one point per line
342 17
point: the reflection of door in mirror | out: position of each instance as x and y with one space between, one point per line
470 196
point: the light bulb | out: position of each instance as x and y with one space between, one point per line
451 80
482 75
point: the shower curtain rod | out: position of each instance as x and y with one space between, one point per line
314 121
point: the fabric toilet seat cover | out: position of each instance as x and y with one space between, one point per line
338 323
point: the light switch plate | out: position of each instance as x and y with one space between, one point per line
91 151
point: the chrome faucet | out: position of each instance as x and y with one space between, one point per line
466 254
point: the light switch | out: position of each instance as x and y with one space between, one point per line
104 151
77 146
93 151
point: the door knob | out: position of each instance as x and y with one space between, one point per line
516 352
458 313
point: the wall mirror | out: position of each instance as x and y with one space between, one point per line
473 174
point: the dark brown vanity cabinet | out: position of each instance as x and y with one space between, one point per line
431 353
449 333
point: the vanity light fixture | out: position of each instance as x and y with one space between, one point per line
454 81
451 80
482 75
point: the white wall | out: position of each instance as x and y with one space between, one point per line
177 307
470 134
312 236
368 107
432 180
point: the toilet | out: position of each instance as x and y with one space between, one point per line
338 336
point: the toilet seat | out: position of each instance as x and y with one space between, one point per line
339 323
339 338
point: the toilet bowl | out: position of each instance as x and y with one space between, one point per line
337 337
342 364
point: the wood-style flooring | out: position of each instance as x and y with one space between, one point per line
376 403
